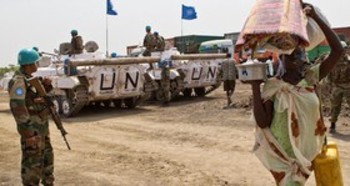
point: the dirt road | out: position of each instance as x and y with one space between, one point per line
191 142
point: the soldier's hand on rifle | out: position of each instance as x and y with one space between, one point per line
39 100
47 84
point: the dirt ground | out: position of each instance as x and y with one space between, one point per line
191 142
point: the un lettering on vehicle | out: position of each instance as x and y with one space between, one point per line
105 80
211 74
203 73
130 81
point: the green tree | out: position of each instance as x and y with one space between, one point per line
9 68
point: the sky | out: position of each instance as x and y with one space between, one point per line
47 23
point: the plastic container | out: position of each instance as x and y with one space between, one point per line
252 71
327 166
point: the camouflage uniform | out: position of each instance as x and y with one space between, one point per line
32 125
77 45
149 42
165 81
340 82
160 43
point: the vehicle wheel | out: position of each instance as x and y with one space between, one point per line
98 104
66 107
130 102
57 103
187 92
200 92
176 86
117 103
106 103
158 95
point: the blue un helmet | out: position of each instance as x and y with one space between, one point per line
36 49
27 57
156 33
114 55
74 32
148 28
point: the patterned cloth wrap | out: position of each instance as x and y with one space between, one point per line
275 24
297 131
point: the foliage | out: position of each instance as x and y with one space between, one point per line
9 68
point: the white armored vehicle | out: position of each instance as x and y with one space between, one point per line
190 74
91 78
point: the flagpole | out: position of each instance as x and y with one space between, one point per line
106 35
183 40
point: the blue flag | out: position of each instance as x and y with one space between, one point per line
110 10
188 12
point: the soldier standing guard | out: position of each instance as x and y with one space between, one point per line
165 81
340 82
31 117
149 42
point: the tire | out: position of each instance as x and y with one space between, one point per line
158 94
98 104
106 103
200 92
67 107
187 92
117 103
176 86
130 103
56 100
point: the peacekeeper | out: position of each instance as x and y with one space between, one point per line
340 83
76 43
165 81
160 42
31 117
149 42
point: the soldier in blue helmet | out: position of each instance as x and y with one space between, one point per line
160 42
37 50
149 42
31 116
77 45
113 55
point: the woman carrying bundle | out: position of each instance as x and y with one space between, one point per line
291 130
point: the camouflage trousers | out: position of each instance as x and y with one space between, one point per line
337 96
165 84
37 154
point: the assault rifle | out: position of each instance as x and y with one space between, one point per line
36 83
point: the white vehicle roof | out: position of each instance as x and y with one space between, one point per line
218 43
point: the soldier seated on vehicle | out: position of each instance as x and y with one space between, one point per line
76 43
160 42
149 42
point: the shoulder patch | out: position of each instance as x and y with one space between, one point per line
19 91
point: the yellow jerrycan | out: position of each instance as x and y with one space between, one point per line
327 166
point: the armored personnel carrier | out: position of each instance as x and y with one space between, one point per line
91 78
190 74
